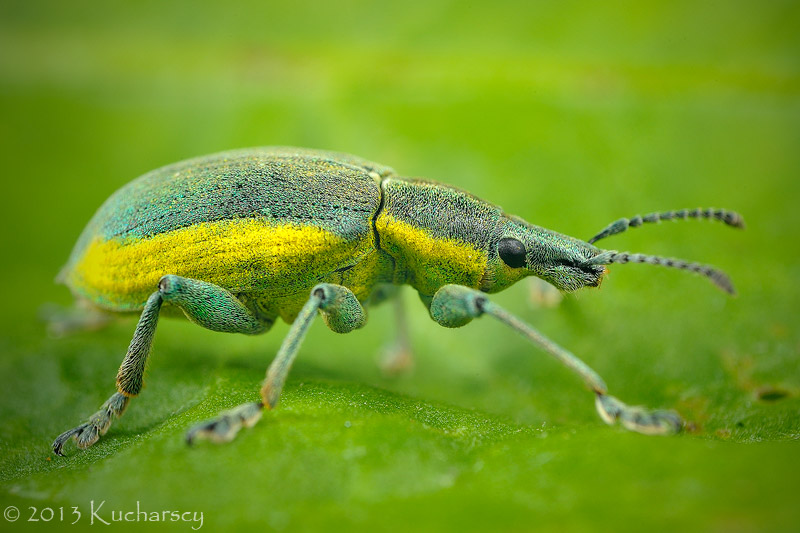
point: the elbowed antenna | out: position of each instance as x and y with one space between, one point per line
731 218
718 277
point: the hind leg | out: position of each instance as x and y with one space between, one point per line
205 304
63 321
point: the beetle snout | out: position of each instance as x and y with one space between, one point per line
595 275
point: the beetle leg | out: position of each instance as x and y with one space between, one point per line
87 434
541 294
340 310
63 321
206 304
455 306
396 357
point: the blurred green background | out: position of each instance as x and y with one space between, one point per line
570 114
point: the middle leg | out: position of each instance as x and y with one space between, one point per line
341 311
397 357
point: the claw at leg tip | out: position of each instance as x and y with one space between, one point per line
638 419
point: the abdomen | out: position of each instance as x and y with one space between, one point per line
269 221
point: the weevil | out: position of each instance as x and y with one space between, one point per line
238 239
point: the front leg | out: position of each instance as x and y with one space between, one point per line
341 311
455 306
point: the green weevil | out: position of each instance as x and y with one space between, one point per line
237 239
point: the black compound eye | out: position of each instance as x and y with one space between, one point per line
512 252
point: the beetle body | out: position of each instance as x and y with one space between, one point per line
237 239
268 224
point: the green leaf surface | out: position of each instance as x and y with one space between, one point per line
569 114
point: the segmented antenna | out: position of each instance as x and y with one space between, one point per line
718 277
731 218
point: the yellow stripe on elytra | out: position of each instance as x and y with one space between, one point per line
430 262
241 255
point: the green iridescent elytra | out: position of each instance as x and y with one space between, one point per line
237 239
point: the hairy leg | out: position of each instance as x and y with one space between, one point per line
342 313
396 357
204 303
455 306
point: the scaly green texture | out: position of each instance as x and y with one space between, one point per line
570 114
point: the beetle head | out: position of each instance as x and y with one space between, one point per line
521 249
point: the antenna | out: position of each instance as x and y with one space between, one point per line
718 277
731 218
